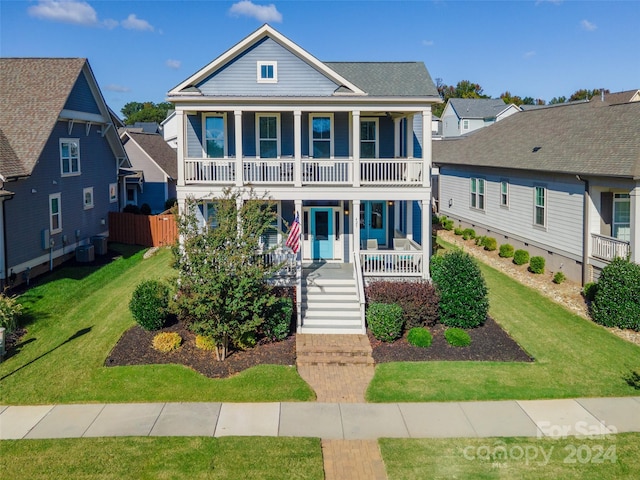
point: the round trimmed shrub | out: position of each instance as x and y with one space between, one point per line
506 251
490 244
521 257
385 321
468 233
589 290
457 337
420 337
205 343
617 299
149 304
166 342
463 293
447 224
480 240
536 265
458 230
559 278
277 323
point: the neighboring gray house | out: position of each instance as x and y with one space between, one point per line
561 182
464 115
615 98
153 173
59 159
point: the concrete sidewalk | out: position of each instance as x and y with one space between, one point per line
348 421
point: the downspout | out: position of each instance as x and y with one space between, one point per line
585 231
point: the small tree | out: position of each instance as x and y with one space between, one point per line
617 297
222 284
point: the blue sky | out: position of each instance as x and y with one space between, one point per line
141 49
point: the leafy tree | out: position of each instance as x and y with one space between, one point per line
145 112
464 89
585 94
222 283
557 100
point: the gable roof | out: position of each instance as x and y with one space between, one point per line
573 139
157 149
616 97
478 107
29 112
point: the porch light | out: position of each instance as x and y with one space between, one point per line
391 203
346 212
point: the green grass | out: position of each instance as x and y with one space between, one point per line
163 458
76 317
574 357
614 457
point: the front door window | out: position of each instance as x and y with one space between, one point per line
322 233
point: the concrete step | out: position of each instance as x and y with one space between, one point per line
330 289
334 313
335 360
318 329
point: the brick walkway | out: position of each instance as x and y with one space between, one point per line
339 369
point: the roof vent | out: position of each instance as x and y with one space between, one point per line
535 149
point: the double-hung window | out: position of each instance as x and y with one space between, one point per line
87 197
69 156
540 208
267 72
321 133
477 193
55 213
369 138
622 216
268 135
504 193
214 136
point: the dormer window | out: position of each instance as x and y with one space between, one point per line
267 72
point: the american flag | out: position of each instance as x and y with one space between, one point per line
293 240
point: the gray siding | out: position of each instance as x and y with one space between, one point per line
563 233
194 136
81 97
295 77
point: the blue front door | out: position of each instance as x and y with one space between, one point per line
373 221
322 233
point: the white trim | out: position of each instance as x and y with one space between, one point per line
71 172
85 204
376 121
278 133
331 132
113 192
222 115
82 116
504 204
476 195
269 63
536 206
52 230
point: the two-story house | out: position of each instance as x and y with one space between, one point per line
465 115
346 146
59 160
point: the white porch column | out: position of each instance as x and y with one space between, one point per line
180 138
297 149
410 219
238 136
426 237
426 147
409 136
355 222
634 241
356 148
396 216
396 137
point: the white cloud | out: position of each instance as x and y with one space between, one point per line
428 43
112 87
66 11
173 64
529 54
134 23
264 13
110 23
588 26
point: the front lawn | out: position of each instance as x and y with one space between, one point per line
74 319
573 357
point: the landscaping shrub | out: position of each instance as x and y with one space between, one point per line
145 209
480 240
490 244
559 277
506 251
458 230
463 292
589 291
420 337
536 265
205 343
246 340
166 342
457 337
418 300
170 202
468 233
617 299
277 323
385 321
447 224
149 304
521 257
131 209
10 310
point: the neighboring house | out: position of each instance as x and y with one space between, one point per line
561 182
59 160
465 115
169 129
346 145
615 98
154 171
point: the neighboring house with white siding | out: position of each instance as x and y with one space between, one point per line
345 145
465 115
561 182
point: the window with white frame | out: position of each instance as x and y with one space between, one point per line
55 213
214 135
270 238
321 135
622 216
267 72
369 138
210 214
69 156
113 192
268 135
465 124
87 197
504 193
540 209
477 193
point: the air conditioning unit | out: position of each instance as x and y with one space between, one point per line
85 253
99 244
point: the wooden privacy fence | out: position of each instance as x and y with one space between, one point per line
145 230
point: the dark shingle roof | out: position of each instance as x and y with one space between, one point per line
155 146
33 92
614 98
388 79
574 139
477 107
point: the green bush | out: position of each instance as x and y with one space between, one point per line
385 321
559 278
617 299
480 240
149 304
458 230
277 323
447 224
468 233
420 337
10 310
521 257
166 342
418 300
536 265
589 291
463 292
506 251
490 244
457 337
205 343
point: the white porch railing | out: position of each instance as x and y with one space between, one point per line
608 248
267 171
332 171
284 257
357 275
391 172
209 170
391 263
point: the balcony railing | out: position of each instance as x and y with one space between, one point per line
608 248
391 263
